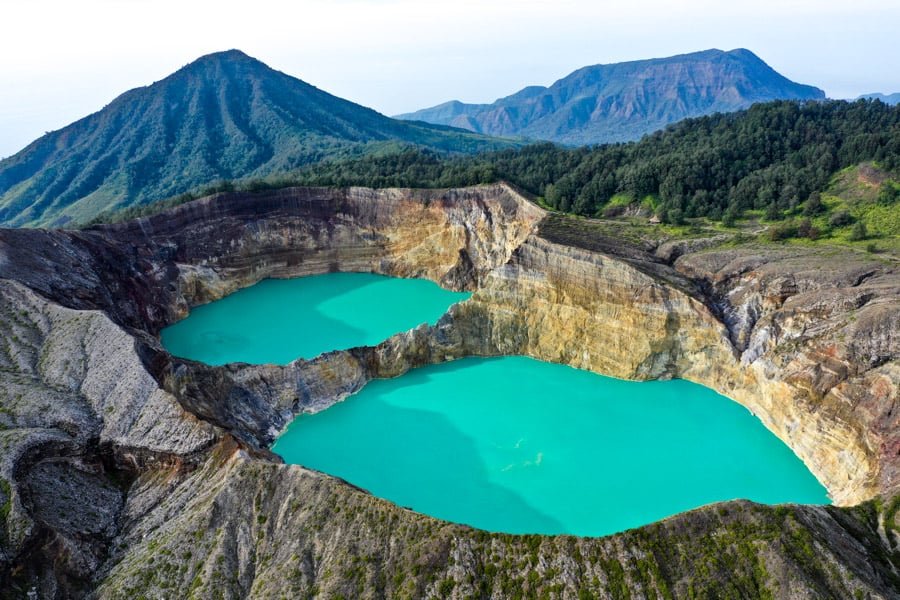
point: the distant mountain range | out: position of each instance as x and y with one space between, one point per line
891 99
224 116
624 101
229 116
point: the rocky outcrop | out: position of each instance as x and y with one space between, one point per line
819 370
819 332
79 413
240 528
147 273
171 455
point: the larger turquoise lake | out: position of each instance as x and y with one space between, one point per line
506 444
517 445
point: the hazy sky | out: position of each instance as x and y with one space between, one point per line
61 60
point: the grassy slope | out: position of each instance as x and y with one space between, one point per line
854 190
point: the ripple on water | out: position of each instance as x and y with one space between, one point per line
521 446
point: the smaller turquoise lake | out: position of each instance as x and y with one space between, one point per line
279 320
517 445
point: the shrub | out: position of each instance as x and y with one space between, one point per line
840 218
783 231
611 211
889 193
858 232
814 205
730 217
806 229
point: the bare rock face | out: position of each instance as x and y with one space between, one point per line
80 412
604 315
239 528
223 243
821 371
128 472
821 335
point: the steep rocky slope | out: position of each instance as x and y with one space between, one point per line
623 101
132 473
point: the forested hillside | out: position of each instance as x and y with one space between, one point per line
224 116
776 158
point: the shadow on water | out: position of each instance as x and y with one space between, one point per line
414 458
265 337
341 284
517 445
280 320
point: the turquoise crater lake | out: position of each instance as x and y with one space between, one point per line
279 320
505 444
517 445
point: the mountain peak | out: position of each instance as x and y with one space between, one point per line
742 52
624 101
224 59
233 55
746 56
225 115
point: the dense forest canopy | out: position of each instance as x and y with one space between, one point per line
774 157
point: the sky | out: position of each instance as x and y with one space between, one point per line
61 60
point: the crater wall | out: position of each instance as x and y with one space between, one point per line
175 451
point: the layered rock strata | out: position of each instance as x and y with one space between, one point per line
158 469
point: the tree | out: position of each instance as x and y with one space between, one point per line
729 219
676 216
888 194
814 205
840 218
767 157
858 232
551 195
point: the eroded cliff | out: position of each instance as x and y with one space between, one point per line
170 455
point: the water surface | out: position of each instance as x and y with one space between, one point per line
279 320
521 446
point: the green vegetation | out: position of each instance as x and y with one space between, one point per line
773 157
6 506
813 171
779 172
224 116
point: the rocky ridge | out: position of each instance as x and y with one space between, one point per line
624 101
172 455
